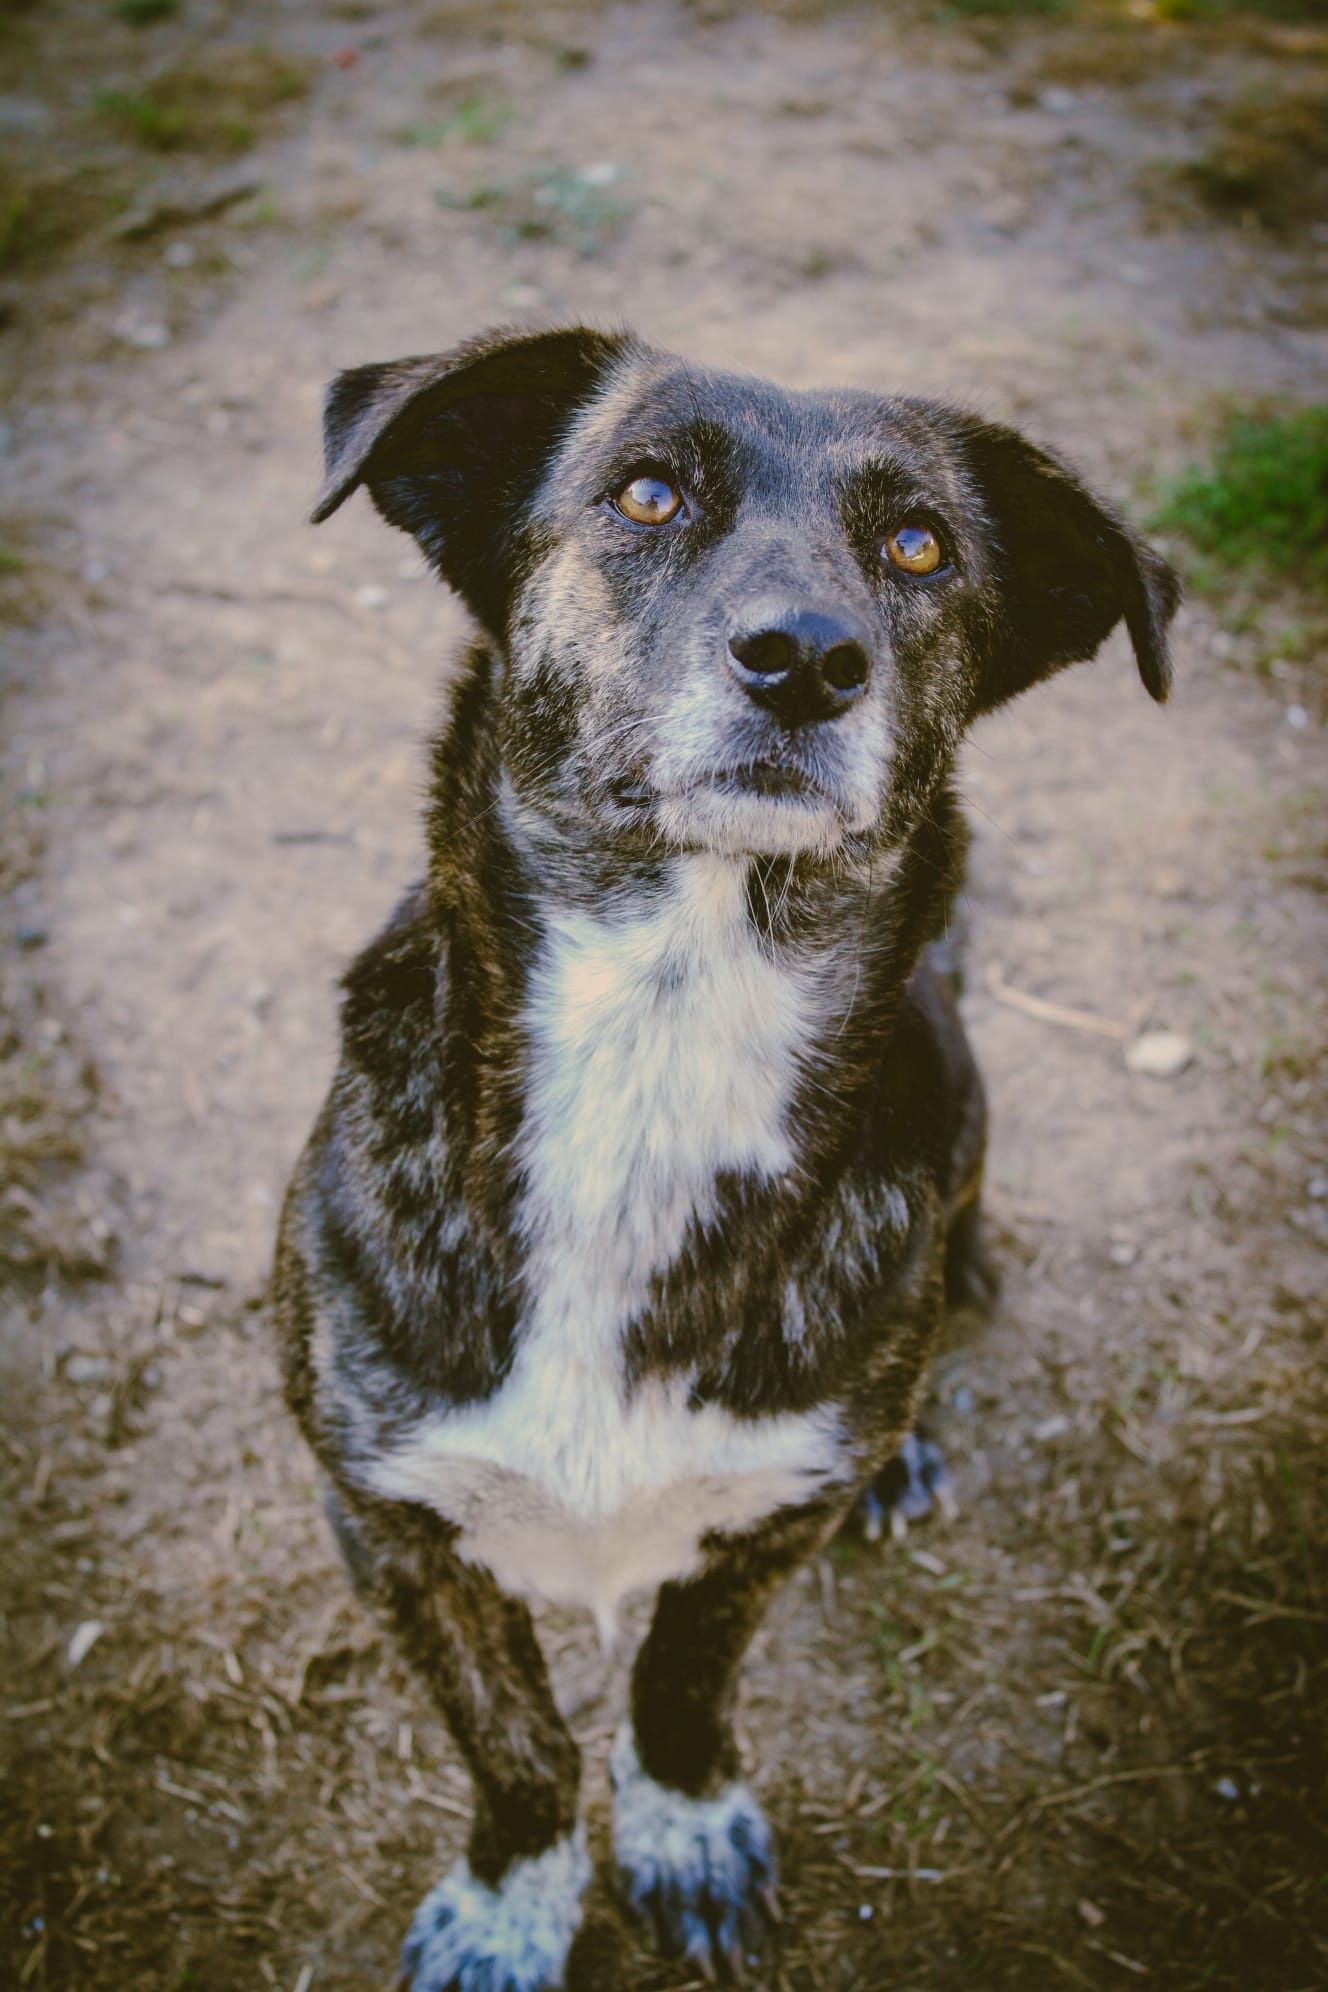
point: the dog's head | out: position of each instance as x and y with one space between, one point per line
730 616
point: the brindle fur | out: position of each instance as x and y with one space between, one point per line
401 1272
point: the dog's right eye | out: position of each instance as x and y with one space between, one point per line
649 500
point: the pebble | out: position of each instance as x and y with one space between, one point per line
1122 1253
1059 101
86 1369
1159 1054
963 1401
1228 1789
178 255
1054 1427
600 173
84 1639
1317 1188
145 335
1297 718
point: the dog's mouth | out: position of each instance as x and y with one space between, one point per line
766 778
769 777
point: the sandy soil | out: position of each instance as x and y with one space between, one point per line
1076 1736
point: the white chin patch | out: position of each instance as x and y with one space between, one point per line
749 825
701 1871
513 1938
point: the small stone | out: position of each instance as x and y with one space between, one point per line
963 1401
1092 1915
600 173
1159 1054
1058 101
84 1639
145 336
865 1912
178 255
1123 1253
371 596
1297 718
1054 1427
261 998
87 1369
319 297
1317 1188
1228 1789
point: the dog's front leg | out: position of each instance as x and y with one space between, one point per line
504 1916
692 1845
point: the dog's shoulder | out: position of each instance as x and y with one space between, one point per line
928 1090
390 990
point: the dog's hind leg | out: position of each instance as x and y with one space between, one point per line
971 1278
505 1916
691 1843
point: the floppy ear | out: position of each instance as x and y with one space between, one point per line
450 445
1070 568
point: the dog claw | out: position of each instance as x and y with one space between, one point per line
697 1952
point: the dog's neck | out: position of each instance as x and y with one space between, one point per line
522 899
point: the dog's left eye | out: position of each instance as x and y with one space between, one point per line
914 548
649 500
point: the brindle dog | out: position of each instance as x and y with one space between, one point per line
618 1251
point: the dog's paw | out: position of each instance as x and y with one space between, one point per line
701 1871
467 1937
914 1484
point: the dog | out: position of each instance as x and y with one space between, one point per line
617 1253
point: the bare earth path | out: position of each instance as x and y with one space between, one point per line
1076 1736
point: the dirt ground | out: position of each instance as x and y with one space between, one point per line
1077 1736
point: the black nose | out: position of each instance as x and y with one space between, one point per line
802 665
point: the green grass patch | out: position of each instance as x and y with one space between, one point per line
1001 9
146 13
43 212
216 103
1260 504
476 120
581 207
1266 155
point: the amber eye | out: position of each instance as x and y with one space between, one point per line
914 548
651 501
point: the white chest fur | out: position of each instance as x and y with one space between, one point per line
663 1049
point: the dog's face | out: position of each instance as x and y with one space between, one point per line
732 617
